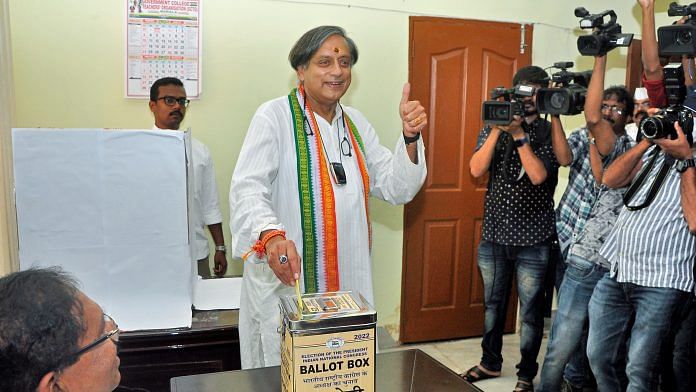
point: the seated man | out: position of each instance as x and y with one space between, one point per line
53 337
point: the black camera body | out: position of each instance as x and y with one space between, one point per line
677 40
661 125
675 89
568 97
498 112
605 35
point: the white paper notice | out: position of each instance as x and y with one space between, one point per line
110 207
217 293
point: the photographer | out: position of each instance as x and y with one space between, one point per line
651 250
584 217
652 68
679 351
518 222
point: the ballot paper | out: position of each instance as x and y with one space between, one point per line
217 293
111 208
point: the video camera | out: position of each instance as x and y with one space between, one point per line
661 125
568 97
501 112
676 40
606 35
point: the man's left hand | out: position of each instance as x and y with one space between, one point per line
413 116
220 263
678 148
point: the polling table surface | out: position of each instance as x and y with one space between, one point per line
408 370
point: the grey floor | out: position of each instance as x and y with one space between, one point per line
460 355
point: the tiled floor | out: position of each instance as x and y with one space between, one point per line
460 355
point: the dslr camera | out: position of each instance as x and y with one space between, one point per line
677 40
605 35
661 125
502 112
568 97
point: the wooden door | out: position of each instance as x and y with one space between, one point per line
453 66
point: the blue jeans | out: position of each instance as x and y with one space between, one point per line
497 264
679 353
612 308
569 326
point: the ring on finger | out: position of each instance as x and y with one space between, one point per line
283 259
417 120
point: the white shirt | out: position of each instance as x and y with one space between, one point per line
206 208
632 130
264 195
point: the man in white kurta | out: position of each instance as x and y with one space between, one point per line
205 210
264 195
168 104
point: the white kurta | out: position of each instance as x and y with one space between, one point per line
206 208
264 195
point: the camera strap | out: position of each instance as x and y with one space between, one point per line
654 187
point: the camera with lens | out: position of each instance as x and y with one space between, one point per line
568 97
502 112
605 35
661 125
678 39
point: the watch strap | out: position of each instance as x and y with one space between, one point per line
682 165
521 142
221 248
411 139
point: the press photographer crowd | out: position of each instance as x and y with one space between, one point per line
624 230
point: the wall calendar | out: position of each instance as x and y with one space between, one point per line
163 38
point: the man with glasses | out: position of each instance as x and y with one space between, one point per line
168 103
53 337
299 193
585 215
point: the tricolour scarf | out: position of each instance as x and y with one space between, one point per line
317 203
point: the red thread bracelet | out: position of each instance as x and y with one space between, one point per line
260 246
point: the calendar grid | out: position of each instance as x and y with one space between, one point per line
162 39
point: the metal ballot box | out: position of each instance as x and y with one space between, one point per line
329 345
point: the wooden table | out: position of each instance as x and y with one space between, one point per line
150 358
399 371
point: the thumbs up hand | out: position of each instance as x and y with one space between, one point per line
412 114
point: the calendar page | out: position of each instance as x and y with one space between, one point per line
162 39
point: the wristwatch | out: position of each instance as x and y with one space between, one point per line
521 142
682 165
411 139
221 248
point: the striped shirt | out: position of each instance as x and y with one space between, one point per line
653 247
581 192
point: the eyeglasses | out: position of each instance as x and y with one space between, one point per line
112 334
614 109
171 101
